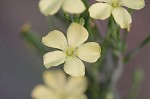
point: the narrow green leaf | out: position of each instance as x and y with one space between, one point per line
145 42
133 52
32 39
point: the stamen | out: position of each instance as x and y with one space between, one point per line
70 52
115 3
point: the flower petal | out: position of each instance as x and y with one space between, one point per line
74 67
76 85
108 1
42 92
76 35
80 96
55 79
49 7
133 4
55 39
100 10
54 58
73 6
122 17
89 52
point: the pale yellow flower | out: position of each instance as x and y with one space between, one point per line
71 50
57 86
105 8
51 7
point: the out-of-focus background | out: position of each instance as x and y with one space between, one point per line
21 69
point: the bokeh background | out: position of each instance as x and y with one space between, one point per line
21 69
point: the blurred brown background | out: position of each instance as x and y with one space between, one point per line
21 69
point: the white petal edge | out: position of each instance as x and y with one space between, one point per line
42 92
49 7
108 1
55 39
74 67
55 79
89 52
100 11
76 85
76 34
54 58
133 4
122 17
73 6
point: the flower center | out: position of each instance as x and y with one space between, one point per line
115 3
70 52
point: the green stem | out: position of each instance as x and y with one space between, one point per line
136 83
112 42
125 35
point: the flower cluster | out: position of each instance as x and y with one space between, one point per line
57 86
71 49
101 10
